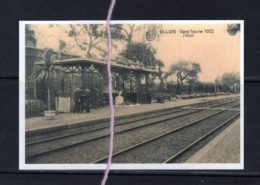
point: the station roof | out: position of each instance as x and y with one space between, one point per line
73 60
114 64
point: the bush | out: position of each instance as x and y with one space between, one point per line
34 108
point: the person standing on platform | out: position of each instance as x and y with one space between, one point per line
84 101
87 99
77 99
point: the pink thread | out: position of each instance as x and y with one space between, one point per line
110 90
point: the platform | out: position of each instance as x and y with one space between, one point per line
103 114
225 148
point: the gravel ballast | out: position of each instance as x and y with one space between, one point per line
86 153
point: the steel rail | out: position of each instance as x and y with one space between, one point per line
104 136
223 103
214 101
175 156
159 136
104 127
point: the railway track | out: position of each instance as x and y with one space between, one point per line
237 107
104 127
170 115
189 147
82 131
31 140
68 145
148 143
210 103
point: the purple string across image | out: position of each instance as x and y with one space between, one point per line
110 90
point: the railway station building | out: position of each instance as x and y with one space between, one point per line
133 82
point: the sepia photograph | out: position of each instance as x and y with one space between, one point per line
177 93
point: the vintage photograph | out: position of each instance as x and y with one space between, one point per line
177 93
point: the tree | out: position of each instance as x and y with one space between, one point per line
191 82
185 72
128 31
170 87
140 52
62 45
218 80
160 65
30 36
91 36
229 80
48 72
218 83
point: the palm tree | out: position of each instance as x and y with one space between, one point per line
48 72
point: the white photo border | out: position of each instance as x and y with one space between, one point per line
182 166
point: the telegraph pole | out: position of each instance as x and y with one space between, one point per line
235 88
215 87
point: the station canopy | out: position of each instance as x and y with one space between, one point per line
118 64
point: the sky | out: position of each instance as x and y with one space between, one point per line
216 51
